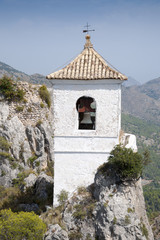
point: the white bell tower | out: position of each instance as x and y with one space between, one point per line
87 118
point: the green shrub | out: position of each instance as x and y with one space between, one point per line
76 235
127 220
62 197
80 212
29 109
42 105
144 230
19 108
12 161
19 181
114 220
50 168
10 89
3 173
130 210
22 225
4 144
8 197
81 190
106 204
6 155
39 122
45 95
31 160
128 165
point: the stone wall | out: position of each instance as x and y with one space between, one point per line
34 109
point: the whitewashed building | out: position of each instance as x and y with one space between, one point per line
87 118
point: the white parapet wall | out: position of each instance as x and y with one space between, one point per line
129 141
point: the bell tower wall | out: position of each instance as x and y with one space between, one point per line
79 152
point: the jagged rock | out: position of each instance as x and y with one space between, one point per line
36 140
30 180
4 111
29 207
25 151
43 186
120 212
55 232
7 174
115 211
14 132
46 130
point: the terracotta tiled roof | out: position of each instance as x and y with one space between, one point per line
88 65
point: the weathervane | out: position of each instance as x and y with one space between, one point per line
87 30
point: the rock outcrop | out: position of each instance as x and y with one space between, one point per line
120 212
111 210
26 127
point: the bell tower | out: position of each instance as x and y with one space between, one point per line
87 118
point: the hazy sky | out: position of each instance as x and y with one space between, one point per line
39 36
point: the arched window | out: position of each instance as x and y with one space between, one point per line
86 107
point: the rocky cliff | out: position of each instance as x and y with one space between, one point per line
108 209
26 145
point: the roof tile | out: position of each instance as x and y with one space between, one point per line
87 65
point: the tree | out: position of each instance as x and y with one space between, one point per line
128 165
22 225
10 89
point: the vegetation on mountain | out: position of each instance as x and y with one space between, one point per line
152 199
22 225
4 144
10 89
128 165
151 88
62 197
45 95
142 104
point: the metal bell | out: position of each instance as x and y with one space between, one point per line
86 118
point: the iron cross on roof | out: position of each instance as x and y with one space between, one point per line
87 30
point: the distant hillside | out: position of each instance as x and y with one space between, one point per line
151 88
143 101
18 75
131 82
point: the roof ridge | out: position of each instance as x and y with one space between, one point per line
88 65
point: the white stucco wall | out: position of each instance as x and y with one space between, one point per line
75 169
107 97
78 153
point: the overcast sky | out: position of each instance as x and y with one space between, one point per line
39 36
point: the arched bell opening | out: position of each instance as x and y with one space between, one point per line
86 107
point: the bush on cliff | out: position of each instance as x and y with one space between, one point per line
10 89
22 225
45 95
128 165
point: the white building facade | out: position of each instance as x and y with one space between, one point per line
87 118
